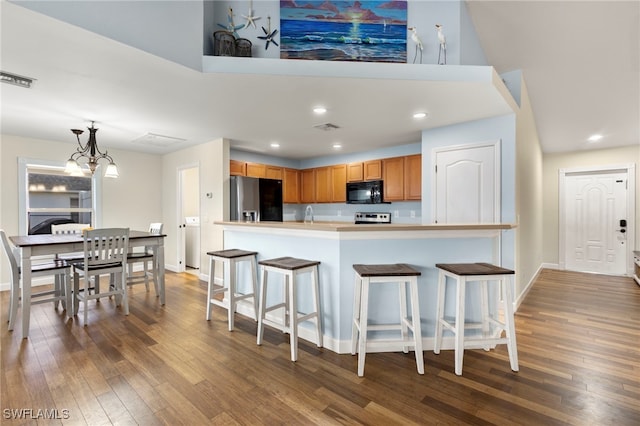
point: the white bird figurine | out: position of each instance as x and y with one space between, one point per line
417 41
443 45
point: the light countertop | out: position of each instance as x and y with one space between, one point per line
351 227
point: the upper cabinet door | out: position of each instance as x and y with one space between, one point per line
339 183
413 177
237 168
291 186
323 185
273 172
373 170
393 176
355 172
256 170
307 186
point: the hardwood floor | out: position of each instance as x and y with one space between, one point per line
578 344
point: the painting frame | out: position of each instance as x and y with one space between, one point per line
357 31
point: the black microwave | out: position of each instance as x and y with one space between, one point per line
370 192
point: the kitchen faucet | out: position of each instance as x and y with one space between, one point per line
308 214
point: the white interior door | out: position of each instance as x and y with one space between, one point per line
595 203
467 184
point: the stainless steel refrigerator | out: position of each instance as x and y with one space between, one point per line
255 199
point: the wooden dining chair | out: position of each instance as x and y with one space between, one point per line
75 229
148 260
61 288
105 252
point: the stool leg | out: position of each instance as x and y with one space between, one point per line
364 314
263 301
355 325
417 329
286 320
459 342
439 312
484 309
510 323
233 269
316 304
212 271
404 332
254 283
293 314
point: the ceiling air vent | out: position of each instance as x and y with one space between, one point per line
16 79
158 140
326 126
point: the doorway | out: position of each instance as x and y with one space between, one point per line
596 223
189 219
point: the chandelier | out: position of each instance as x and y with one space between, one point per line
91 153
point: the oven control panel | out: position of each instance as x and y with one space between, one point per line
372 217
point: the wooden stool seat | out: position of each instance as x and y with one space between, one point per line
290 268
467 269
289 263
401 274
491 327
230 259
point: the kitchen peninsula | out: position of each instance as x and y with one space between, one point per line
339 245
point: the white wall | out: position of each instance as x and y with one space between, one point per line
212 158
552 163
133 200
528 194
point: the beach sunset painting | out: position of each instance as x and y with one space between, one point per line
364 31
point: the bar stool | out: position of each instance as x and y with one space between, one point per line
401 274
490 326
290 268
230 259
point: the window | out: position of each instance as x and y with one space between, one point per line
50 196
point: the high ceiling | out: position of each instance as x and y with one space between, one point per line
580 62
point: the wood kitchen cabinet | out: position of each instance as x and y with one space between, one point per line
323 185
372 170
273 172
339 183
413 177
291 186
256 170
237 168
355 172
402 179
307 186
393 176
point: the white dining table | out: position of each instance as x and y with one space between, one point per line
50 244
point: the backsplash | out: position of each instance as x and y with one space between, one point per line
401 212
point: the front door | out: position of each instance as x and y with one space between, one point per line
595 216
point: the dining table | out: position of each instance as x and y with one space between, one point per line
32 246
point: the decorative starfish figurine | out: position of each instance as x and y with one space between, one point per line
250 17
268 34
231 27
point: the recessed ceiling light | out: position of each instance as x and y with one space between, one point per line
594 138
275 145
337 145
419 115
319 110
